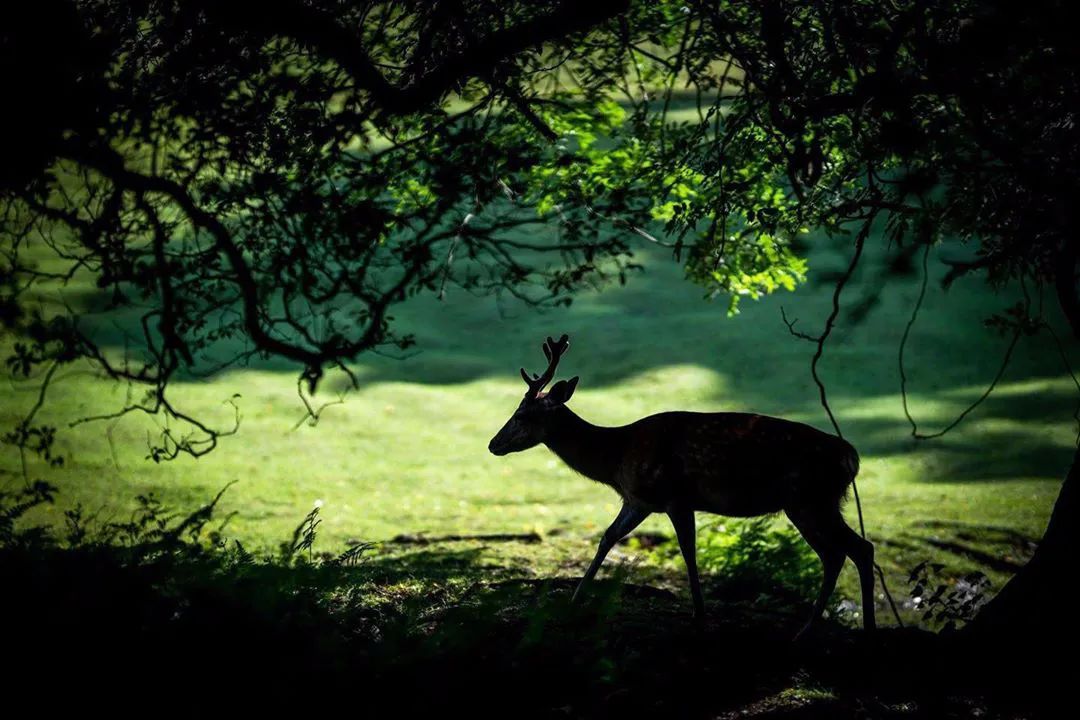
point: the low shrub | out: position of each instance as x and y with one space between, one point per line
751 560
163 604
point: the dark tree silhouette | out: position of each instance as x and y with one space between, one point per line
931 119
284 172
279 175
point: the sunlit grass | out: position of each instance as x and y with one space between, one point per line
406 453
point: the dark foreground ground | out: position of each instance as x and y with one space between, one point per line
160 629
159 614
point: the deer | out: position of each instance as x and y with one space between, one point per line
732 464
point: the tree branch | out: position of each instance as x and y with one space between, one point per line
321 33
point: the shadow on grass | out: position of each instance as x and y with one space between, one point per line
272 634
660 321
176 619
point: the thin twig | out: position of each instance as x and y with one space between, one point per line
907 332
830 322
903 376
791 327
313 414
1068 368
860 243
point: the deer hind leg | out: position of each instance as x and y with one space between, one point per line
628 518
821 528
861 553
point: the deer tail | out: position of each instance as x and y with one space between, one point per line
850 462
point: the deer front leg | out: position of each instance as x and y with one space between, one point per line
629 518
683 522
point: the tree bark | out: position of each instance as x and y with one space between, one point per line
1025 638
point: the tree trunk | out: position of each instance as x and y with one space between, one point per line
1025 639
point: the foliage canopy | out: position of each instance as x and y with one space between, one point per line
270 179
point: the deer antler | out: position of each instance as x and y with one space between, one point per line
552 351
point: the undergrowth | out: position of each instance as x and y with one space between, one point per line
163 610
164 600
751 560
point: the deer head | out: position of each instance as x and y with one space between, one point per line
528 426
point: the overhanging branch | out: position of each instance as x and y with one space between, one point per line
324 35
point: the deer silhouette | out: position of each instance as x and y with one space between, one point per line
727 463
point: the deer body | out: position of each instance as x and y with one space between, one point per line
734 464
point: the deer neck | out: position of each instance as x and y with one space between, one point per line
589 449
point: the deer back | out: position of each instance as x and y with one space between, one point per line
732 463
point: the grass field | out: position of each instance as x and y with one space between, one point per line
407 452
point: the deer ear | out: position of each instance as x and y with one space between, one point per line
562 391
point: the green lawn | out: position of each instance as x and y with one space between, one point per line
407 452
